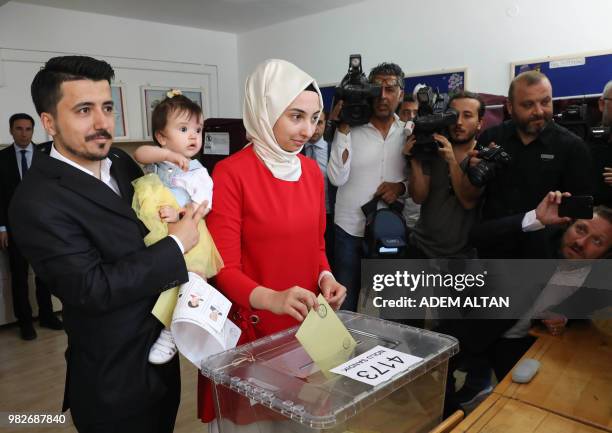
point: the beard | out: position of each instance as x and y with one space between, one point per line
530 129
385 112
460 141
98 153
606 117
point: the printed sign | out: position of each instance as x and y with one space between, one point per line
377 365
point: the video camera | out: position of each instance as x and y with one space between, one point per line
576 119
600 133
493 159
357 94
428 122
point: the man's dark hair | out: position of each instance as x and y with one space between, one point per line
464 94
20 116
177 104
529 77
388 69
46 86
409 97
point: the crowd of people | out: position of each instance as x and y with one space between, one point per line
286 225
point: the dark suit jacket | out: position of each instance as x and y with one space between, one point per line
9 176
87 243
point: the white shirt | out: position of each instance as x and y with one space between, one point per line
371 161
105 177
105 166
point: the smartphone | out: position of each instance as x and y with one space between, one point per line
577 206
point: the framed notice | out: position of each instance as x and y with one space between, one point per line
121 124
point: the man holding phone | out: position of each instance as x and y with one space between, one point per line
545 157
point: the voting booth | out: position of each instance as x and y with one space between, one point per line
392 381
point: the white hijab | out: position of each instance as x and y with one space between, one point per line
269 90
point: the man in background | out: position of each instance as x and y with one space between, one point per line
15 162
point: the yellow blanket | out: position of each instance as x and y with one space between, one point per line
149 195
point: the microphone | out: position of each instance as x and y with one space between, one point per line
408 128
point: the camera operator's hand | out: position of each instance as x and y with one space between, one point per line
607 174
335 117
446 151
390 191
473 154
547 211
409 145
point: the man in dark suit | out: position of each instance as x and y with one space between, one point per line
72 218
15 161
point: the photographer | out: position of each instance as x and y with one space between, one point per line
449 201
601 150
366 161
545 157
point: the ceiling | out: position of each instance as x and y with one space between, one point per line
233 16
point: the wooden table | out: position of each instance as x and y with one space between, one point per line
574 383
501 414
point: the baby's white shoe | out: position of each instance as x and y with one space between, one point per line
164 348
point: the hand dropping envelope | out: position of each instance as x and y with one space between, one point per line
325 338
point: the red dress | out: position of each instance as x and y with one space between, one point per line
270 233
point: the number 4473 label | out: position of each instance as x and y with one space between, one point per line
377 365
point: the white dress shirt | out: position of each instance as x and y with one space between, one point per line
371 161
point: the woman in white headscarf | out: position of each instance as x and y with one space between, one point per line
268 221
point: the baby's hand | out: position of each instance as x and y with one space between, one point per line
205 204
178 159
168 214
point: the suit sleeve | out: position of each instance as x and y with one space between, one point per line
225 225
63 255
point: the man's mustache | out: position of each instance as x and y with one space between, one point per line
102 133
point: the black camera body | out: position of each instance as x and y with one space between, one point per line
493 159
599 133
427 123
575 119
357 93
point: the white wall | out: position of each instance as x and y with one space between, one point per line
143 53
426 35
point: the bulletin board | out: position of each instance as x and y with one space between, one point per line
446 81
571 76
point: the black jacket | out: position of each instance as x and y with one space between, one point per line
86 242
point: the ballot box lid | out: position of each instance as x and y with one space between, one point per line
275 371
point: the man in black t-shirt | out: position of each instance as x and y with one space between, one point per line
545 157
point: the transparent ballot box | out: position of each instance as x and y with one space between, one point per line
272 385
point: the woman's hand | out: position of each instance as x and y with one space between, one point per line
333 292
295 301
